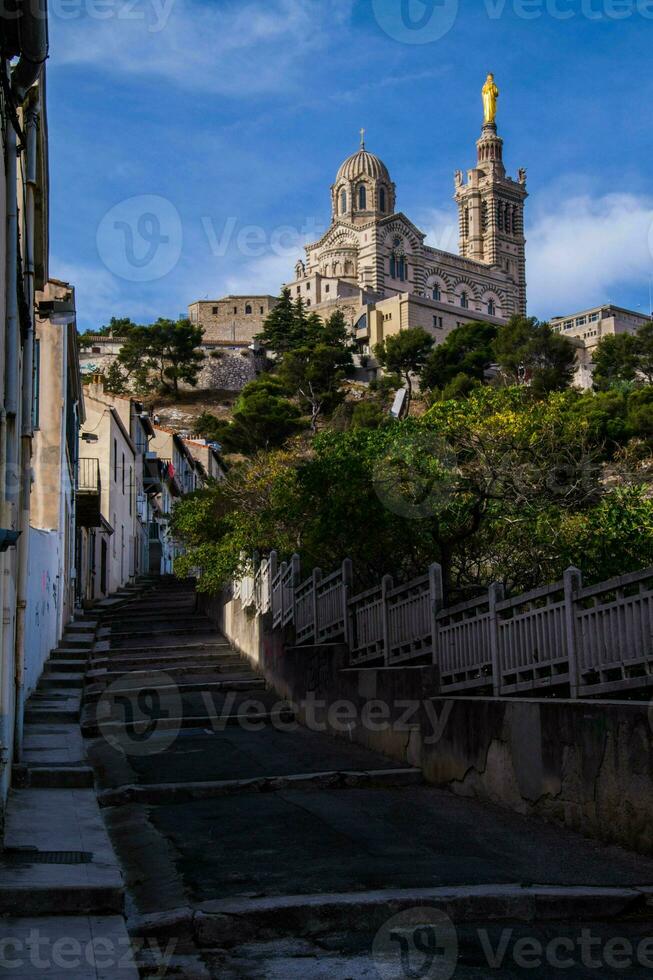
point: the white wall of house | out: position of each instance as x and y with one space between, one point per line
115 451
44 602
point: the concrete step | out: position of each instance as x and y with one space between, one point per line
62 666
224 672
199 646
241 682
82 625
71 776
70 653
164 662
58 705
90 948
53 745
58 820
91 729
43 715
155 794
78 641
191 628
50 682
143 625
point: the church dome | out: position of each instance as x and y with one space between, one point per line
363 164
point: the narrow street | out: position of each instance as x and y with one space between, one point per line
255 848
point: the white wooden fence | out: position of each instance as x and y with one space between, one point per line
562 638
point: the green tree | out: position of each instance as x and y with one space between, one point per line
644 346
114 379
164 354
263 418
335 332
640 412
280 326
116 327
467 351
315 375
528 349
405 353
615 360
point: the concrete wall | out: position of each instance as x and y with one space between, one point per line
585 764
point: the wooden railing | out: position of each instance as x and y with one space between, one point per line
562 638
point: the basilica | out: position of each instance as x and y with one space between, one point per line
373 261
374 264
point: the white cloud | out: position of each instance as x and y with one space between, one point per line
586 250
441 228
236 47
264 275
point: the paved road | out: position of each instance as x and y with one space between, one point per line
204 812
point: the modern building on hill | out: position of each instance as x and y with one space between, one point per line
588 327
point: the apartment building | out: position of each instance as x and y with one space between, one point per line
106 497
24 197
58 411
588 327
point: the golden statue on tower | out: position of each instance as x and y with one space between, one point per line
490 100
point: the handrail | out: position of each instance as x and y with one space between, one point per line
550 638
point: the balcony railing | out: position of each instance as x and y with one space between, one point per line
88 480
88 493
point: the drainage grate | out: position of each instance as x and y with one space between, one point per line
14 856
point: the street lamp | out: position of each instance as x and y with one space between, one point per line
57 311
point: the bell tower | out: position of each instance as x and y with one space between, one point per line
491 206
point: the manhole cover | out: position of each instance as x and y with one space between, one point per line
14 856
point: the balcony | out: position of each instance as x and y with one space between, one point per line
89 490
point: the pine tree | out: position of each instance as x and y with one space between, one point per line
279 327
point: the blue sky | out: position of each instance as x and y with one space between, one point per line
193 142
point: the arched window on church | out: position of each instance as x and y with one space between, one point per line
362 197
466 221
492 307
437 294
464 300
501 216
398 267
382 200
343 202
248 309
